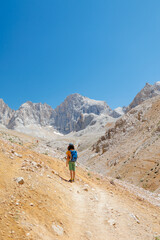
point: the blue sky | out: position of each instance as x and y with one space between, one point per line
103 49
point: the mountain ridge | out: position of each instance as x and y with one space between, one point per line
75 113
65 118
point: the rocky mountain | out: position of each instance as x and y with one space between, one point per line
147 92
77 112
6 113
32 113
74 114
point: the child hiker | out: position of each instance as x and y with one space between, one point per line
71 159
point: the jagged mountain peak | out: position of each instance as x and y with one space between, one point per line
5 113
31 104
32 114
78 101
75 113
69 113
1 100
26 105
74 95
2 103
157 83
157 86
148 84
147 92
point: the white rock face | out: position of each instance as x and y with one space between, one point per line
5 113
32 113
76 112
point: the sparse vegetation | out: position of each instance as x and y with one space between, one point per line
118 177
144 186
46 153
157 238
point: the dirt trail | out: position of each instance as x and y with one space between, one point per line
103 212
90 216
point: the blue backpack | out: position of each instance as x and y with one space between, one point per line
74 155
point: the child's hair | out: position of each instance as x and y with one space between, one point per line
71 146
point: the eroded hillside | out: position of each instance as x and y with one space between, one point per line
37 202
130 148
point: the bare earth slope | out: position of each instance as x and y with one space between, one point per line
129 150
47 207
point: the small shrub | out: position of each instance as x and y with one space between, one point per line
144 185
45 153
118 177
97 149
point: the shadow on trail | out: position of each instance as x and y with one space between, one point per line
63 178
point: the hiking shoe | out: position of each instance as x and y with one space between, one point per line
70 181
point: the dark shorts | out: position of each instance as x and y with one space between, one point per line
72 166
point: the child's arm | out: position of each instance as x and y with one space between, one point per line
68 159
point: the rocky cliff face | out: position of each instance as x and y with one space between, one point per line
32 113
147 92
77 112
5 113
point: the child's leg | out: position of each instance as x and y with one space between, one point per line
74 173
71 174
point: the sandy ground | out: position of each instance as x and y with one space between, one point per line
47 207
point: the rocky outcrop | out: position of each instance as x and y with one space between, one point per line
84 121
147 92
5 113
